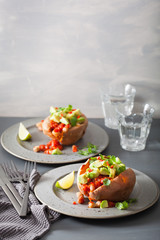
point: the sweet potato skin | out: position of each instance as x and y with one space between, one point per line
69 137
119 189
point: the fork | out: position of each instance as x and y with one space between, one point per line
24 207
13 174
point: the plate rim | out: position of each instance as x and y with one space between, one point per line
123 213
46 158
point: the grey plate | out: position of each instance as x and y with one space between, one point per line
145 191
24 149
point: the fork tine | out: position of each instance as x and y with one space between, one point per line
35 166
5 169
25 171
8 170
15 170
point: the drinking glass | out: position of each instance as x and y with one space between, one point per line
134 129
116 99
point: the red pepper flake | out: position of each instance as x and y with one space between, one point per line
78 116
90 170
99 158
111 166
74 203
107 163
70 112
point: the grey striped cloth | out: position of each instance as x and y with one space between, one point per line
37 222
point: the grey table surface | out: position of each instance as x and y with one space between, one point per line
144 225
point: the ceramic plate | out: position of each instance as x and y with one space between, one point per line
24 149
145 191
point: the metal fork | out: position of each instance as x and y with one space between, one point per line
13 174
29 167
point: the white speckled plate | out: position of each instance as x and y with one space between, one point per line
24 149
145 191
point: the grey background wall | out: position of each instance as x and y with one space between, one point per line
59 52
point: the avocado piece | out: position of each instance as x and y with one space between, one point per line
93 174
105 163
64 120
104 204
74 113
118 161
82 178
120 168
112 172
104 171
55 117
53 109
96 164
80 120
77 112
57 151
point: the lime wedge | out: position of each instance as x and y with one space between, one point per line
66 182
23 133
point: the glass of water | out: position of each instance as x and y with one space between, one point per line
134 130
116 99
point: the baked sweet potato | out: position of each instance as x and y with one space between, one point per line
68 136
67 125
104 187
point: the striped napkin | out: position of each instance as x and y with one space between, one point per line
37 222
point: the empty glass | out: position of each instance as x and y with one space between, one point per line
134 129
116 99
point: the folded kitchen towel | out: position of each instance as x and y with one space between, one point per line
34 225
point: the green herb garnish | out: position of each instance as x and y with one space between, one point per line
91 148
73 121
125 204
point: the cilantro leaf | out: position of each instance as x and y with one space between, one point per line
91 148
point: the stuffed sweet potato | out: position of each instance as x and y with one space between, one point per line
67 125
105 178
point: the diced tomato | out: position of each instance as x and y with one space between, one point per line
54 143
74 148
53 124
46 147
107 163
86 188
74 203
42 147
111 204
60 147
48 151
49 143
57 129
